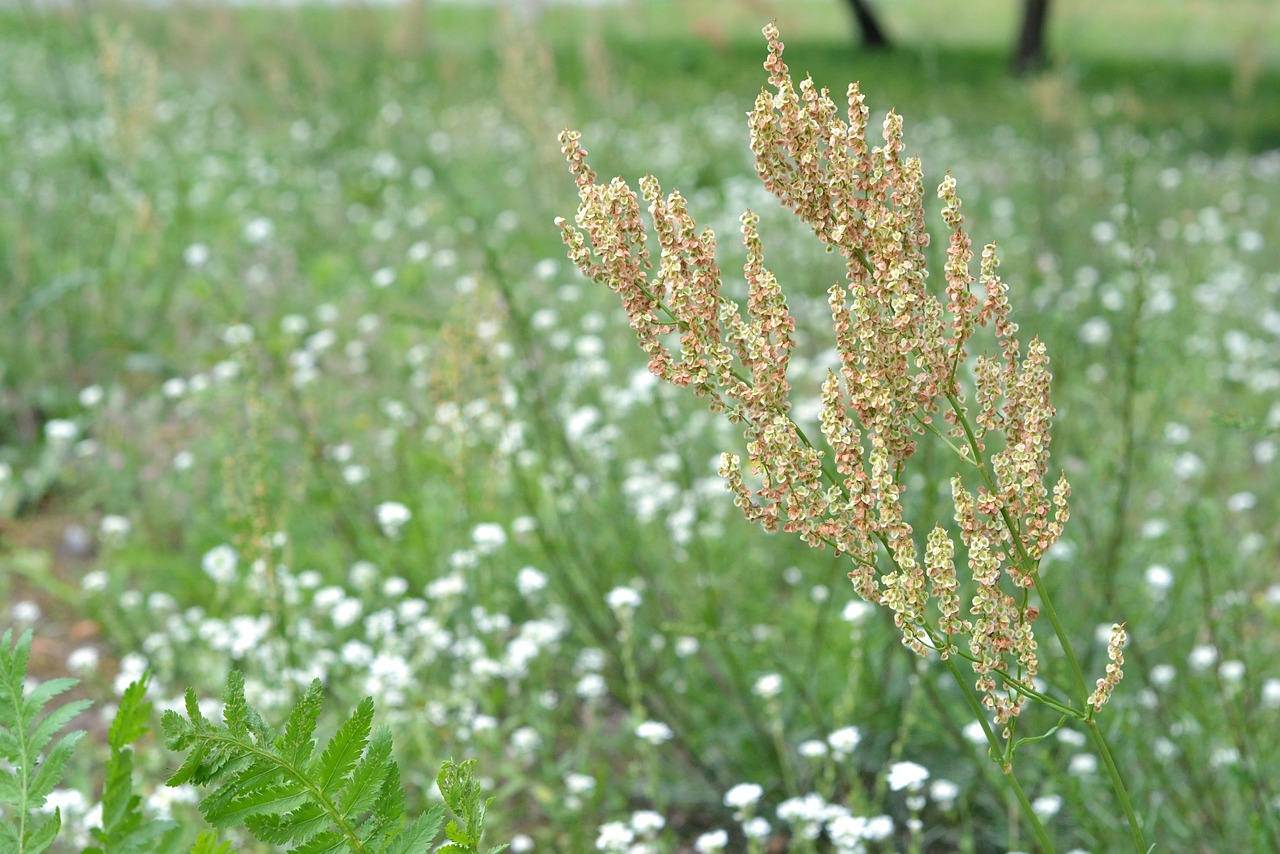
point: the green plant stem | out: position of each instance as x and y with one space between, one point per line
1006 769
1073 663
1117 783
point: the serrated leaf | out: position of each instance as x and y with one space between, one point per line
8 836
117 790
176 729
295 744
43 733
235 709
133 717
325 843
418 836
457 835
41 835
10 791
207 843
192 702
42 693
388 807
296 827
50 771
143 839
274 799
259 773
13 659
190 766
368 776
340 755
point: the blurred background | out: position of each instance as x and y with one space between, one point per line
294 376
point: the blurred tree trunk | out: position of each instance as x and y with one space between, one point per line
1029 51
873 35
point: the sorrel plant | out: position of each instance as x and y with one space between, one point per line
902 359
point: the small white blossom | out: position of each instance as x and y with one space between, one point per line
614 836
591 687
488 537
654 732
392 516
743 796
844 740
943 792
530 581
711 842
907 775
1047 806
579 784
219 563
622 599
91 396
60 431
259 230
1203 657
83 660
686 645
855 611
812 749
1082 764
114 529
1231 671
768 686
196 255
647 822
1159 578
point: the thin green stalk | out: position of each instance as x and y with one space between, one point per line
1010 780
1117 783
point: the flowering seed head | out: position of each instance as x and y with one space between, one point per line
899 350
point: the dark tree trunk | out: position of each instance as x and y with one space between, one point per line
873 36
1029 52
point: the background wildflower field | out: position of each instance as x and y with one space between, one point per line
295 377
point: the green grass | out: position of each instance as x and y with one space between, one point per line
489 384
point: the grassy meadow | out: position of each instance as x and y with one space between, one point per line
295 377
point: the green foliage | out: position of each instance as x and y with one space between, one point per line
462 793
125 829
348 797
25 742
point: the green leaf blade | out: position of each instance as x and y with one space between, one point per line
332 768
418 836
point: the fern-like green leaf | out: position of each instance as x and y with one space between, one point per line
125 828
348 799
417 837
25 739
370 772
388 810
295 828
332 768
277 799
50 771
330 842
235 709
207 843
133 717
41 835
296 742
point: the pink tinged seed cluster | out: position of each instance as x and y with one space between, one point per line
899 351
1115 652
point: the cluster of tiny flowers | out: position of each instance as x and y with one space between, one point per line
637 836
900 351
1115 652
